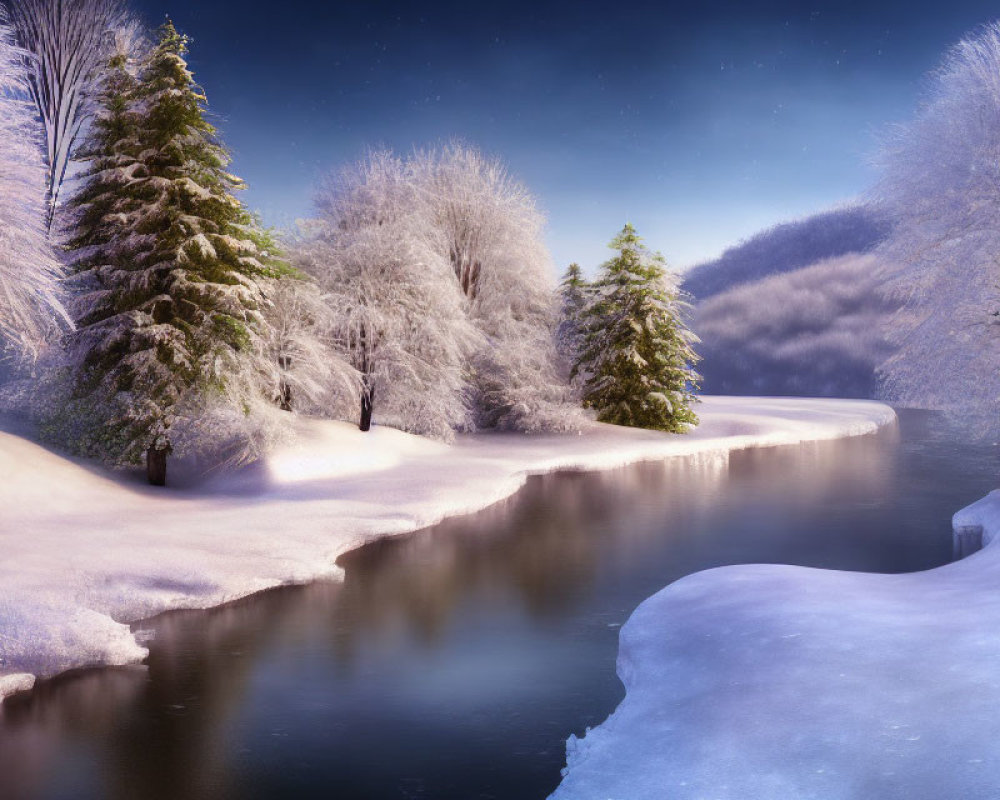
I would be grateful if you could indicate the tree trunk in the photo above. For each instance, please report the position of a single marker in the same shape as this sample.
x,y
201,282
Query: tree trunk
x,y
284,388
156,466
367,401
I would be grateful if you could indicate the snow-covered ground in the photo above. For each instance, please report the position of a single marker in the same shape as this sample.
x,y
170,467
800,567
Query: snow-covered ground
x,y
84,552
777,682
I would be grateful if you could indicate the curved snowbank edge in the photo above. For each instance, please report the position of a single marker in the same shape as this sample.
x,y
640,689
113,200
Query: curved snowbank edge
x,y
62,607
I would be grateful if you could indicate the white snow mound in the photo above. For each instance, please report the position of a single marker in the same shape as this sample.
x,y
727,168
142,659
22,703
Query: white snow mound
x,y
84,552
778,682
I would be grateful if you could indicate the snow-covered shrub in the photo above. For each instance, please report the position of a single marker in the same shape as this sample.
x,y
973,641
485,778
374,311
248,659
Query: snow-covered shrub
x,y
940,185
29,271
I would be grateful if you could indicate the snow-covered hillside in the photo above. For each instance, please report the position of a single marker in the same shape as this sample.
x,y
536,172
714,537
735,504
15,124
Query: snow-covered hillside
x,y
778,682
788,247
85,551
797,310
819,331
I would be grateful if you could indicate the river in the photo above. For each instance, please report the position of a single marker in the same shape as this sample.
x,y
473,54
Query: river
x,y
454,662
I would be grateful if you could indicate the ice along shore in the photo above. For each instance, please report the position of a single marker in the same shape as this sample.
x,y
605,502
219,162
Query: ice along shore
x,y
85,551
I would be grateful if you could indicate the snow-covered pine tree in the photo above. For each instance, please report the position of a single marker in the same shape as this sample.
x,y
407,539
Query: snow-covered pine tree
x,y
638,356
29,272
170,260
573,292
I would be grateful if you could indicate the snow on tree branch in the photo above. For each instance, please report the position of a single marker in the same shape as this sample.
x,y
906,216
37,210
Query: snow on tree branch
x,y
29,272
396,311
941,187
69,43
488,227
637,360
304,372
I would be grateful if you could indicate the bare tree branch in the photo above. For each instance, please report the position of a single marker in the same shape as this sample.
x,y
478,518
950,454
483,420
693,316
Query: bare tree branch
x,y
68,43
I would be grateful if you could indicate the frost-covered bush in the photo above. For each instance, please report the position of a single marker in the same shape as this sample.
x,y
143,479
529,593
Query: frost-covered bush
x,y
940,185
395,311
29,271
488,228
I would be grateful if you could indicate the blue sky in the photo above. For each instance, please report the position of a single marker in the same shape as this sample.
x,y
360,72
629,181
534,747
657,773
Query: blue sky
x,y
699,122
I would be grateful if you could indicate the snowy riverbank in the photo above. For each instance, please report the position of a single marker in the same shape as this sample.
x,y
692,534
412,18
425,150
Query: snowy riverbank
x,y
777,682
85,551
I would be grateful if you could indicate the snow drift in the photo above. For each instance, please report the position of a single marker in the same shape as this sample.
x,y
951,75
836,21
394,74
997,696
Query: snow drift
x,y
785,682
86,551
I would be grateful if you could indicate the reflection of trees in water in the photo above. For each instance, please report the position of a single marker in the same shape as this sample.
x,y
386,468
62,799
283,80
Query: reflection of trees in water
x,y
544,547
548,545
76,709
158,732
169,732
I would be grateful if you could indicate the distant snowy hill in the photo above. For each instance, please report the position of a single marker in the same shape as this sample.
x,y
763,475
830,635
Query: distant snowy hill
x,y
795,310
787,247
817,331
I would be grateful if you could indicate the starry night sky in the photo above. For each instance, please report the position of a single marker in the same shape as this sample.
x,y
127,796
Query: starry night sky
x,y
701,122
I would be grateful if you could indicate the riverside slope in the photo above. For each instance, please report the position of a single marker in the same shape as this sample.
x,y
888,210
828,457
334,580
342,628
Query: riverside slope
x,y
85,551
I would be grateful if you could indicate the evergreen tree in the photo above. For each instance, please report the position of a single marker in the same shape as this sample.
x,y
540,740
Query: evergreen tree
x,y
573,293
169,258
637,361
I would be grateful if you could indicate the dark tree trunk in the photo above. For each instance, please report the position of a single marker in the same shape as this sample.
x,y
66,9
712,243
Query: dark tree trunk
x,y
156,466
284,388
367,401
285,397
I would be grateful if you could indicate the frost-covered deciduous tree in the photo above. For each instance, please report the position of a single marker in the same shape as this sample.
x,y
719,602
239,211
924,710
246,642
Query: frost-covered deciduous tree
x,y
941,187
638,357
396,310
169,264
489,229
29,271
305,373
69,42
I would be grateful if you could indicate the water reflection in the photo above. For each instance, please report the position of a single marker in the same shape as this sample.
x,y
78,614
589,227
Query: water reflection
x,y
454,662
